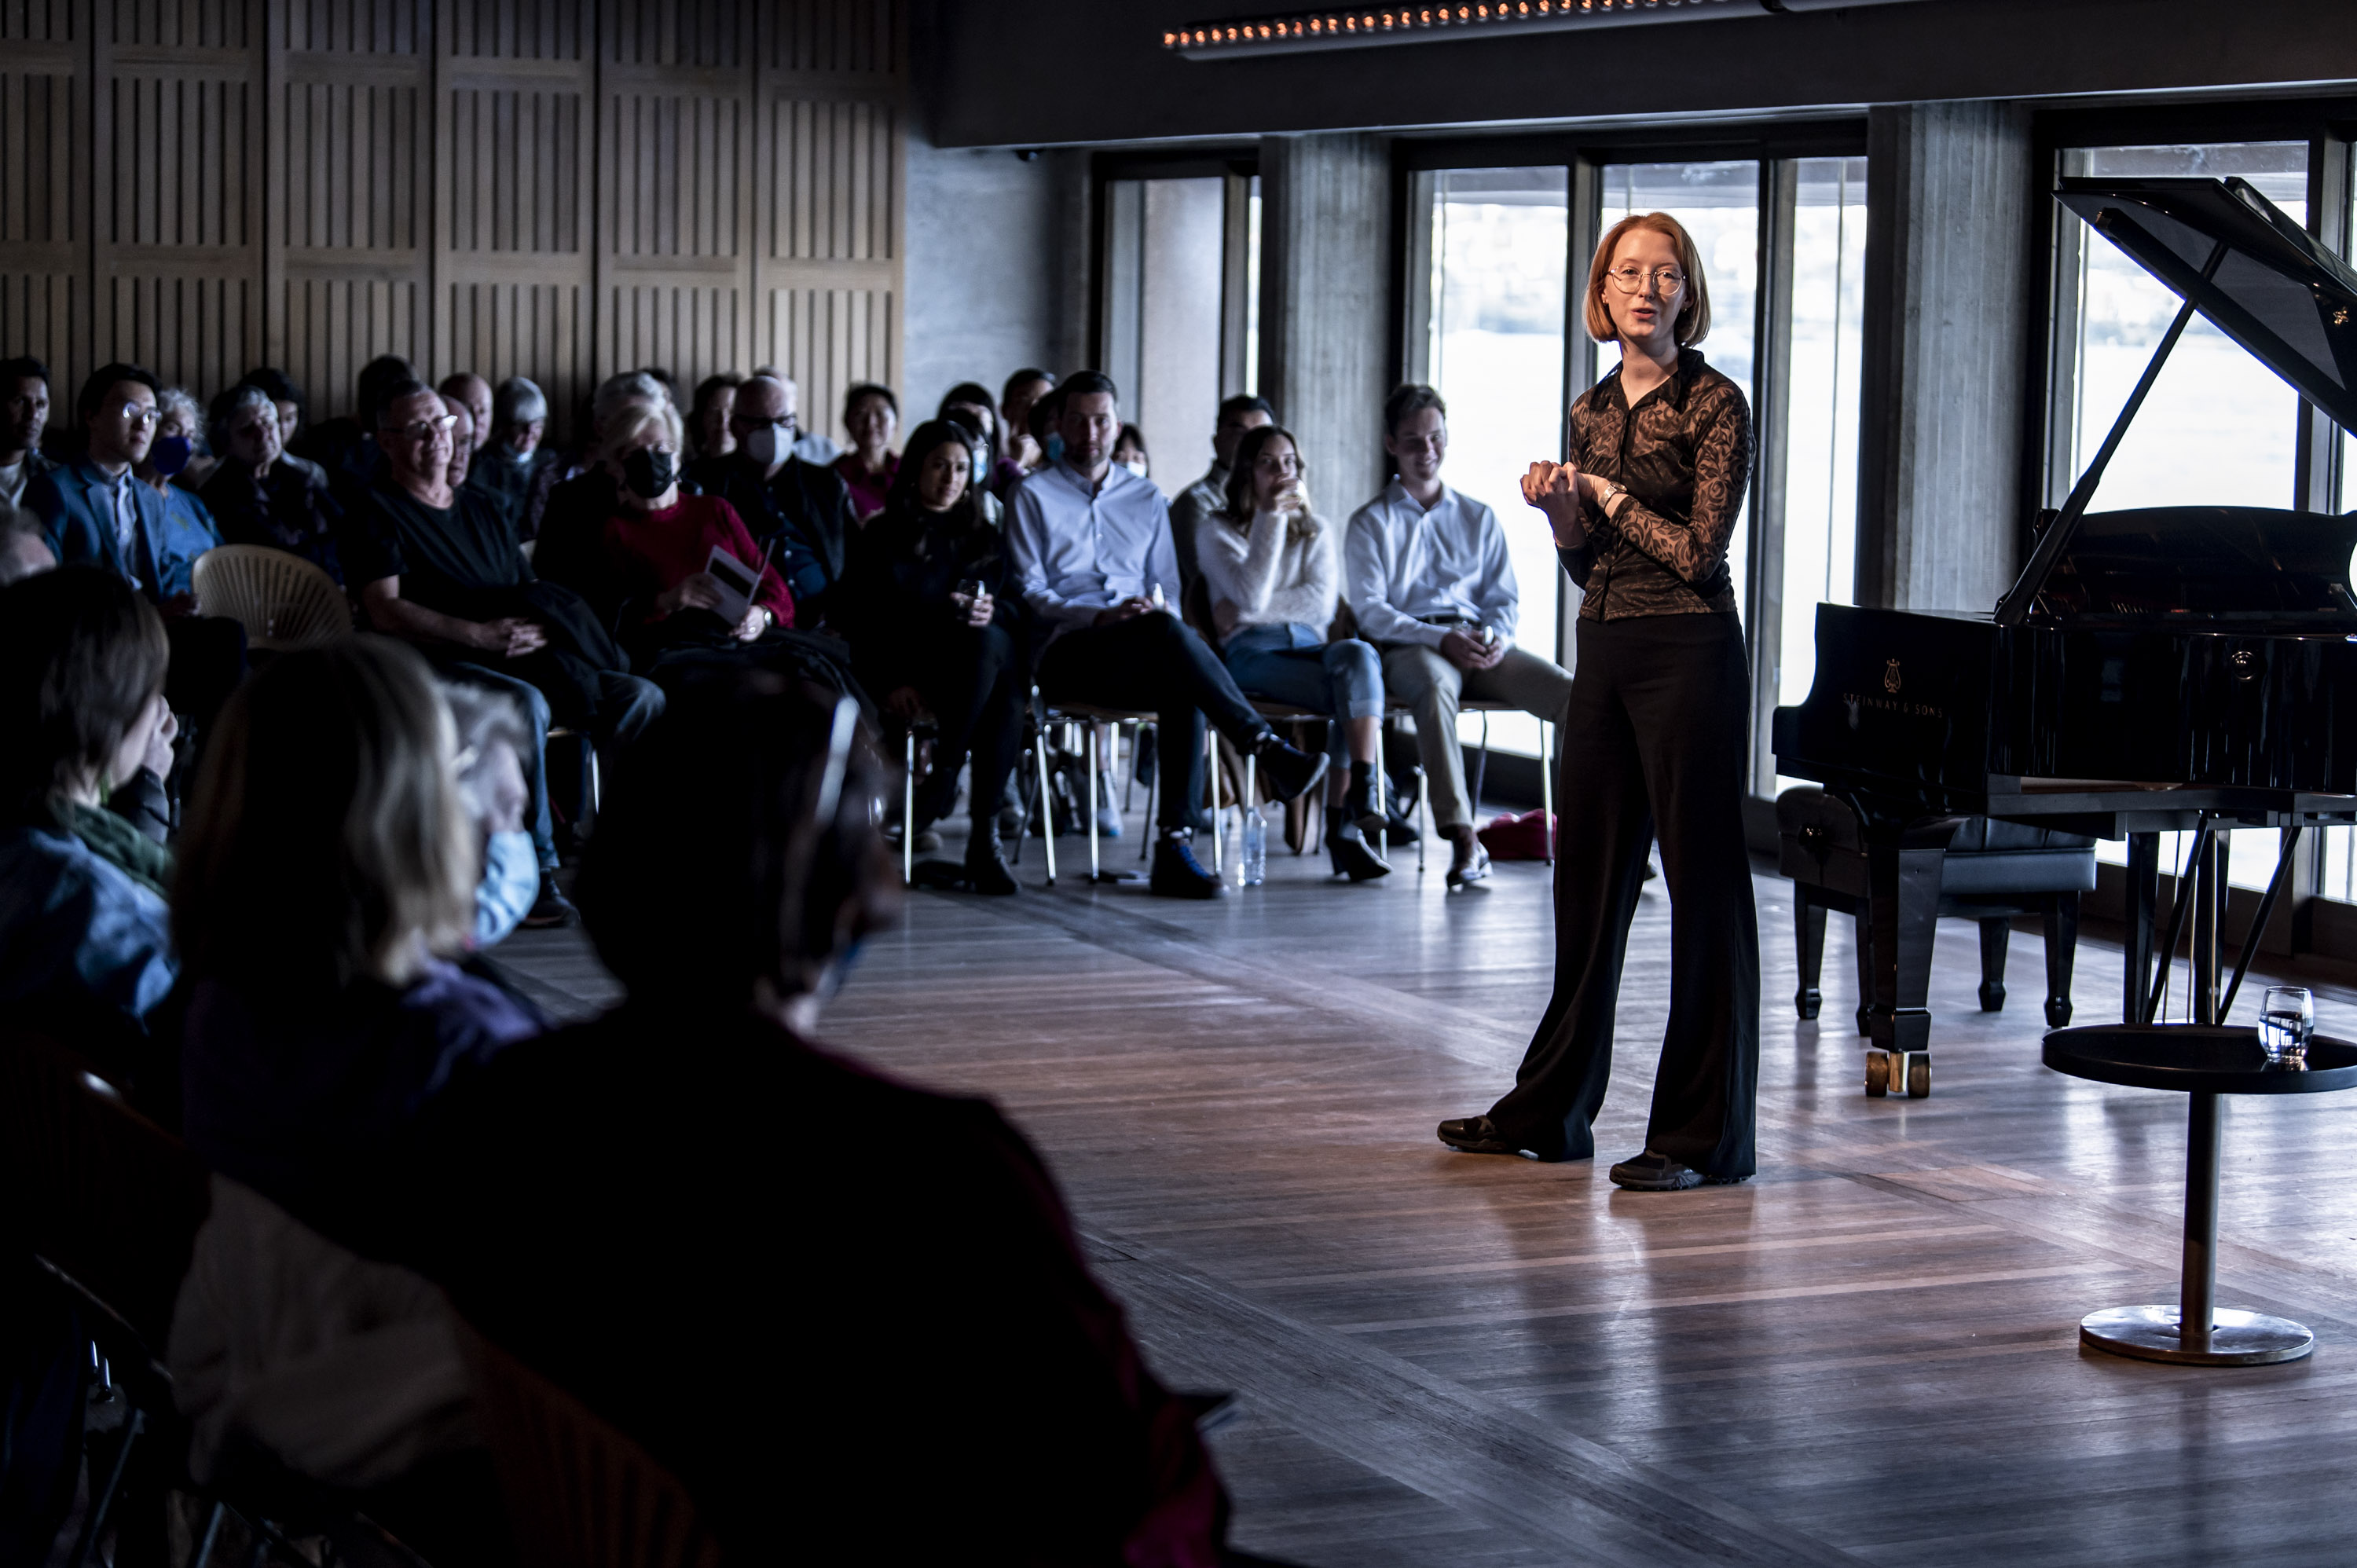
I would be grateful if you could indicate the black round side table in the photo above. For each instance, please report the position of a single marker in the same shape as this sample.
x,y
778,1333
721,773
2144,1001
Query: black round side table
x,y
2201,1061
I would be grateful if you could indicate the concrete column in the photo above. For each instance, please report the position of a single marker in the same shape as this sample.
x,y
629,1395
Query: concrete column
x,y
1950,307
1326,307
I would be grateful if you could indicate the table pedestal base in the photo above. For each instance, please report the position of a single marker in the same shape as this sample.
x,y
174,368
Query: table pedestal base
x,y
2236,1338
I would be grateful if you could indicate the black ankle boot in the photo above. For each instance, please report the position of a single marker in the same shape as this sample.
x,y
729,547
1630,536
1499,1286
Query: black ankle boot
x,y
1177,874
1352,856
985,865
1360,803
1286,770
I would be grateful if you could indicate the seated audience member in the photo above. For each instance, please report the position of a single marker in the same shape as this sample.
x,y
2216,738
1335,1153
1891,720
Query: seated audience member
x,y
798,511
442,569
585,1201
346,449
289,401
258,495
515,468
1089,543
572,522
707,421
85,939
492,740
871,414
1129,451
473,393
188,527
669,385
24,415
1021,453
462,440
98,512
326,882
924,639
970,405
24,546
1426,573
1273,571
1207,495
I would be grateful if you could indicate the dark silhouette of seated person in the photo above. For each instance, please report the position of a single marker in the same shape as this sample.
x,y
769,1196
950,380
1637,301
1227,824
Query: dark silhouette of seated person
x,y
615,1202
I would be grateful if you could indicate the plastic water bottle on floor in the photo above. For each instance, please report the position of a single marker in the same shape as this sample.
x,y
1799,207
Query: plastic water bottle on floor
x,y
1256,847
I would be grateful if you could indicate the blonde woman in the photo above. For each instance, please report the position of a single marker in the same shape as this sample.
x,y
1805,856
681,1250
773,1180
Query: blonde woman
x,y
1273,569
1653,738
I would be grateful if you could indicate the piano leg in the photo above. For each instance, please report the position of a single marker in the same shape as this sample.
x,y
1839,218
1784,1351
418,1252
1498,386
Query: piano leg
x,y
1995,934
1864,923
2061,952
2142,900
1809,926
1903,871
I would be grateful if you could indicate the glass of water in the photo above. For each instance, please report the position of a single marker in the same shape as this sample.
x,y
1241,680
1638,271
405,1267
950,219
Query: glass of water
x,y
2287,1018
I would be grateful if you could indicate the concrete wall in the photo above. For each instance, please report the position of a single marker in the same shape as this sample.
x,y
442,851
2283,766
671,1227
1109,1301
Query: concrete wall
x,y
1079,70
984,235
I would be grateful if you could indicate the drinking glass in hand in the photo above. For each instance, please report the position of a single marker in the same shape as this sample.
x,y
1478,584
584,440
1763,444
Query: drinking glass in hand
x,y
2286,1019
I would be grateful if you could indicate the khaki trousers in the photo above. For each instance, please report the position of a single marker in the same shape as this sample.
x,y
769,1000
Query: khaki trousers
x,y
1433,687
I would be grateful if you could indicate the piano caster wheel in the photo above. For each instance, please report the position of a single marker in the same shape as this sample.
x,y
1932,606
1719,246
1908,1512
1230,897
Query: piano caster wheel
x,y
2058,1012
1918,1078
1808,1002
1877,1075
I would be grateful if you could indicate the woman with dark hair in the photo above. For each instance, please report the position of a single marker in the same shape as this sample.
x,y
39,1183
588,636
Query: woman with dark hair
x,y
1273,570
259,495
968,403
871,414
934,630
591,1201
327,882
1654,736
707,417
85,939
1129,451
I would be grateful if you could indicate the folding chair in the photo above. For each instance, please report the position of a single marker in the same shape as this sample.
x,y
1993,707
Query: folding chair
x,y
926,724
578,1493
1089,715
283,601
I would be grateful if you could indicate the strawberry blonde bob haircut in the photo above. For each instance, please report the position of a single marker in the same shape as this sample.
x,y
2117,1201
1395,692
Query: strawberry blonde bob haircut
x,y
1693,324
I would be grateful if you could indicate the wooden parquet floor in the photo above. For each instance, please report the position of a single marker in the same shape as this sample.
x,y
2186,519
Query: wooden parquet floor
x,y
1867,1355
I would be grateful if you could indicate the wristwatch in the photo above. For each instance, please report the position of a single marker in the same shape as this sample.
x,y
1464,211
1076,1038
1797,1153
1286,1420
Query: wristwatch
x,y
1613,490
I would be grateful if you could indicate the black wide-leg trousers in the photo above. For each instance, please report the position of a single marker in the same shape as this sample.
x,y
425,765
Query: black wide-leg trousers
x,y
1654,741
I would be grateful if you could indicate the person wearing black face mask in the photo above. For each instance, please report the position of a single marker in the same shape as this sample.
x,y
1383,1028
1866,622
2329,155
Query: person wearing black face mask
x,y
800,514
655,582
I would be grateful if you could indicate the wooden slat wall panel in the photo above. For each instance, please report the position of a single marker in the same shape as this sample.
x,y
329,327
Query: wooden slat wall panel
x,y
44,187
833,156
558,189
176,253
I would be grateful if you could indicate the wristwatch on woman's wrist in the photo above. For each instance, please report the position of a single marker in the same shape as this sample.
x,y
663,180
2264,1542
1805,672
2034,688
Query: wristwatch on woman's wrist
x,y
1613,490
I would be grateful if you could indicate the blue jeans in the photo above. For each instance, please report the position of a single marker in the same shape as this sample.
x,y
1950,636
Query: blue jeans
x,y
627,705
1297,666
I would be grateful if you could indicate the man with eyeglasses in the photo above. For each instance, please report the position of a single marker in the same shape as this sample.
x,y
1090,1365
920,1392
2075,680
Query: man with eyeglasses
x,y
441,567
797,511
96,513
1426,570
24,415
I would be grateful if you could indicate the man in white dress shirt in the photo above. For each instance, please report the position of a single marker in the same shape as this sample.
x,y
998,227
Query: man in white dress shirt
x,y
1426,573
1090,542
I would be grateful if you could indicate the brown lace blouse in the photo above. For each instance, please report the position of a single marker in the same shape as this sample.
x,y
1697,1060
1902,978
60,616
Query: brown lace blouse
x,y
1684,453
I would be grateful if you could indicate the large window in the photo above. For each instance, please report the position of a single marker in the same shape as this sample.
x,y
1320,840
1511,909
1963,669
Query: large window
x,y
1495,350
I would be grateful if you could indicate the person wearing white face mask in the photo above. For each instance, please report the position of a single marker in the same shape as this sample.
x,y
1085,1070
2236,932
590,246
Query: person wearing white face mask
x,y
1129,451
800,513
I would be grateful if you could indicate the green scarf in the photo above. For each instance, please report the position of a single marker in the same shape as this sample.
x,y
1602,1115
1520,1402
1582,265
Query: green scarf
x,y
114,840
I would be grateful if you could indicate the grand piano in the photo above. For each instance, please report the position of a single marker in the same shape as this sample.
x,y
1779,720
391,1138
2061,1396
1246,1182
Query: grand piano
x,y
2175,669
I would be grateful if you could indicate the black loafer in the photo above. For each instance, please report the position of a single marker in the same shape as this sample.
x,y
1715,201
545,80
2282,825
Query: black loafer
x,y
985,867
1650,1172
1477,1135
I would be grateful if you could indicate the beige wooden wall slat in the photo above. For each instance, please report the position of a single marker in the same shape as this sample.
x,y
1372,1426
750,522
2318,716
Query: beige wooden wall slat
x,y
558,189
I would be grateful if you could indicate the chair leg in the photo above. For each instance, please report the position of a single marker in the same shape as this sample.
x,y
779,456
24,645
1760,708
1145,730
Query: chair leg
x,y
1383,795
1480,767
1546,790
1865,945
204,1556
2061,953
1047,804
1423,815
103,1503
1153,794
1809,926
909,807
1212,766
1995,935
1092,749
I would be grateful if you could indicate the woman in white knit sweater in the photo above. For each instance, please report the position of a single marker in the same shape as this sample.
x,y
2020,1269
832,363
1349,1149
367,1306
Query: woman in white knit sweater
x,y
1273,569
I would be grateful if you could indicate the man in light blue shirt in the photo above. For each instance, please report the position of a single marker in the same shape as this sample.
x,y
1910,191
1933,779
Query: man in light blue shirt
x,y
1426,573
1091,546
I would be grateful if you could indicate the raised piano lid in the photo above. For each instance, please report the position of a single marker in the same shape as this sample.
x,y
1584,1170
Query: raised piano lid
x,y
2268,570
2275,291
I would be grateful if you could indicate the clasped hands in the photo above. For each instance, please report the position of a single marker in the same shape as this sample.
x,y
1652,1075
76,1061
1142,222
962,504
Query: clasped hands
x,y
1559,489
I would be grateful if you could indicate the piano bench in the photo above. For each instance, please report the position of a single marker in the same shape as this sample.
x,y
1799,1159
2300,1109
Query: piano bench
x,y
1989,872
